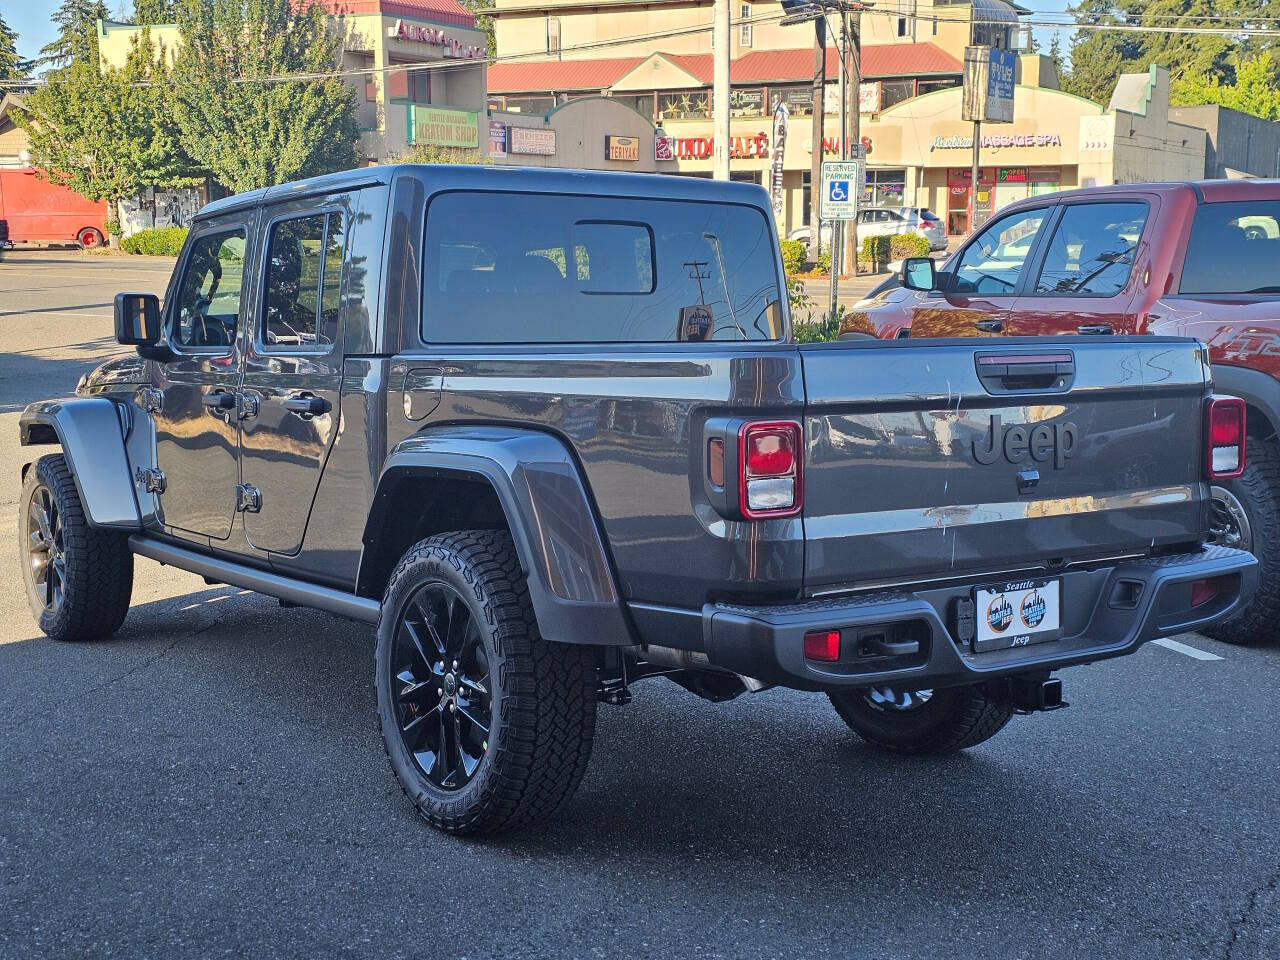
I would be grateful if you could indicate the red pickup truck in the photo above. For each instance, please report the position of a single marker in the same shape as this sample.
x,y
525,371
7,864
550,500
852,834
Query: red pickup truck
x,y
1186,259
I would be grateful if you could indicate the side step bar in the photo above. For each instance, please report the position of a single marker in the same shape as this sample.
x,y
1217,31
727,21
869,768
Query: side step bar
x,y
360,609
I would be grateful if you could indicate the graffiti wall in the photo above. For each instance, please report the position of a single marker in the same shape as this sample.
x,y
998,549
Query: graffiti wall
x,y
159,208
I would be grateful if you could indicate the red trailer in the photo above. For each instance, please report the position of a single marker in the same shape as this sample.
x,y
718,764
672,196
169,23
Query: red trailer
x,y
33,210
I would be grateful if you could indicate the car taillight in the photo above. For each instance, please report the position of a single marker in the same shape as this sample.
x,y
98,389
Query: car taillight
x,y
822,645
1225,435
770,476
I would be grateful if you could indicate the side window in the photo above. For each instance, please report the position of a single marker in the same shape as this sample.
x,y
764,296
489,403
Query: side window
x,y
992,264
1233,248
211,291
303,281
571,269
1093,248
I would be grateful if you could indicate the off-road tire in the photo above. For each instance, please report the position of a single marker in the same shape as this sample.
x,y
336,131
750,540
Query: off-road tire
x,y
543,709
953,719
97,563
1258,490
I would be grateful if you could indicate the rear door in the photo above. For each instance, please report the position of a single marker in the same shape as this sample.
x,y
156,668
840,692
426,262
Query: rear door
x,y
293,368
984,279
927,459
1090,270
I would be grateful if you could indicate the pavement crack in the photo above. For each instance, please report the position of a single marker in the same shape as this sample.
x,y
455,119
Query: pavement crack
x,y
1247,915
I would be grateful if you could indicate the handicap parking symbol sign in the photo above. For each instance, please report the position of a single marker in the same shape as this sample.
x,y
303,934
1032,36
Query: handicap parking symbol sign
x,y
838,191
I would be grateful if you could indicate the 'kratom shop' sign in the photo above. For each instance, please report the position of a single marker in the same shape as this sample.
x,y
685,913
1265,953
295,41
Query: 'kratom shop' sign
x,y
443,128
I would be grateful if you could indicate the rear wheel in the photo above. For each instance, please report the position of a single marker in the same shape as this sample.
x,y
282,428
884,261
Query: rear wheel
x,y
1245,513
90,238
79,578
487,725
922,721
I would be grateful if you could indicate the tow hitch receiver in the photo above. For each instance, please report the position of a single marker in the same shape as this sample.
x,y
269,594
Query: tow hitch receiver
x,y
1033,694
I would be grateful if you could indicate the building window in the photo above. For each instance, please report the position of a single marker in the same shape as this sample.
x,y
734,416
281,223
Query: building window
x,y
799,100
420,86
553,35
530,104
895,91
682,105
744,29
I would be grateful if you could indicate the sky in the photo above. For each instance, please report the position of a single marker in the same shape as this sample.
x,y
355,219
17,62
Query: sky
x,y
31,19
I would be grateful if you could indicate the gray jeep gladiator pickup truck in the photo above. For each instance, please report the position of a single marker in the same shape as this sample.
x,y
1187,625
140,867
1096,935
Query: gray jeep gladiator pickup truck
x,y
550,432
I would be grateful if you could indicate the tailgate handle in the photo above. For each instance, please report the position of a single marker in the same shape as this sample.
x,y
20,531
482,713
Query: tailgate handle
x,y
1020,372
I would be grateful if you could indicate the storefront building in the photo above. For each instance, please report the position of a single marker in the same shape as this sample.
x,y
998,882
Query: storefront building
x,y
598,133
397,106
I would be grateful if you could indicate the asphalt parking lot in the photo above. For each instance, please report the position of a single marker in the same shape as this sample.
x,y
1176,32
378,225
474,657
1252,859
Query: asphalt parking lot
x,y
211,783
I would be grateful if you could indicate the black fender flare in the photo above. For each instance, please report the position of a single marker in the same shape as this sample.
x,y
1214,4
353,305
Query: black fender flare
x,y
538,484
92,435
1258,390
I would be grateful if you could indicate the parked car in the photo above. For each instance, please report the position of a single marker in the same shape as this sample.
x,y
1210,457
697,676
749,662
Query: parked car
x,y
886,221
549,460
1190,259
33,210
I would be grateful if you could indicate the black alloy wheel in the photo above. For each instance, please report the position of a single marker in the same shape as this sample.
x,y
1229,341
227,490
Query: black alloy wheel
x,y
46,556
441,686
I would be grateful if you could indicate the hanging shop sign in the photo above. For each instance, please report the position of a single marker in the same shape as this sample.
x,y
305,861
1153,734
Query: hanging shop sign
x,y
775,161
437,37
621,148
442,127
664,147
531,141
1012,175
988,85
497,139
869,97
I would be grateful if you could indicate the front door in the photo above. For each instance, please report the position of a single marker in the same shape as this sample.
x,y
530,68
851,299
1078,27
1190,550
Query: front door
x,y
196,426
293,370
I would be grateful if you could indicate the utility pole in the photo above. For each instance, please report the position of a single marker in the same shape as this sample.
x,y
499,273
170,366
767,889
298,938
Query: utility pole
x,y
720,88
815,171
851,128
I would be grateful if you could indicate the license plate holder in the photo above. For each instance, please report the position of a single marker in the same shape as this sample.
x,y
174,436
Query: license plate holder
x,y
1017,613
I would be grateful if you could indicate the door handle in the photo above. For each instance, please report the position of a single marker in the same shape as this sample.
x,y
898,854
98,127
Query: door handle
x,y
1095,330
306,405
218,401
990,326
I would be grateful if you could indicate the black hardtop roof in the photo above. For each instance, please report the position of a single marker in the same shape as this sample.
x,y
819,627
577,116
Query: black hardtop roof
x,y
439,177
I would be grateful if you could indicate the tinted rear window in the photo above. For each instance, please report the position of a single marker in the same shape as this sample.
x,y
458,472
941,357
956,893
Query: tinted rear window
x,y
539,268
1233,248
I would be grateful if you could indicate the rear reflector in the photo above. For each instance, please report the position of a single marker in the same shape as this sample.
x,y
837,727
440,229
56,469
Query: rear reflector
x,y
1225,432
770,469
822,645
1202,591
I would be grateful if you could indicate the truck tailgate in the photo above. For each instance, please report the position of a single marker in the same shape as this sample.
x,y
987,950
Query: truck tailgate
x,y
926,458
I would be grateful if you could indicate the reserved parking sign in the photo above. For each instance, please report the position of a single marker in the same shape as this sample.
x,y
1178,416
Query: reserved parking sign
x,y
841,185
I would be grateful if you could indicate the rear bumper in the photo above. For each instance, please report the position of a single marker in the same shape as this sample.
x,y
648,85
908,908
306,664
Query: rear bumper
x,y
1108,611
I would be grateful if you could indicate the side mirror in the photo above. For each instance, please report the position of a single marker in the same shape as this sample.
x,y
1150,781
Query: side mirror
x,y
919,273
137,319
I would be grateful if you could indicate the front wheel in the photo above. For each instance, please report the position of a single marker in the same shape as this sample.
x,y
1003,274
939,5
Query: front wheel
x,y
79,578
487,725
922,721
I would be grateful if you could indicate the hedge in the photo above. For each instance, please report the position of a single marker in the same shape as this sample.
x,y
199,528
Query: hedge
x,y
794,256
874,250
905,245
156,241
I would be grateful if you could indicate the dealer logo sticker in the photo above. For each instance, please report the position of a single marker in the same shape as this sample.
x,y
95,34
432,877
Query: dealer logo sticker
x,y
1032,609
1000,614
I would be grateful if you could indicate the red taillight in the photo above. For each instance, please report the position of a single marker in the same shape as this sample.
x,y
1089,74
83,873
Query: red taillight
x,y
822,645
1202,591
769,480
1225,435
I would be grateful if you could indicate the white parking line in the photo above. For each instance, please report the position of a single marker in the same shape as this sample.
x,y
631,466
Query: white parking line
x,y
1187,650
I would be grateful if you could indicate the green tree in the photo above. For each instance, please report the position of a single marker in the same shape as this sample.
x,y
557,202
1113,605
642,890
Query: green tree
x,y
482,22
77,22
107,134
151,13
1253,90
236,117
1187,54
1099,56
12,66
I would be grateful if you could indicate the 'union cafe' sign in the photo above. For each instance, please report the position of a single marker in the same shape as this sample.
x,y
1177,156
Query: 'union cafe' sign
x,y
740,148
441,127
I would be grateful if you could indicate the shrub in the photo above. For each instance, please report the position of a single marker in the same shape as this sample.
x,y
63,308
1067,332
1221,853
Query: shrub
x,y
156,241
908,245
874,250
824,261
794,256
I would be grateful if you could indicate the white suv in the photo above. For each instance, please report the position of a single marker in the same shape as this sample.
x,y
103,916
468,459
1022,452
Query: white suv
x,y
886,221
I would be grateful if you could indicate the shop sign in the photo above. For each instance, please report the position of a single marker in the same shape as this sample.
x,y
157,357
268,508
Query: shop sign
x,y
869,97
997,140
422,33
531,140
621,148
988,85
740,148
746,103
775,161
798,101
444,128
664,147
497,139
1013,175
